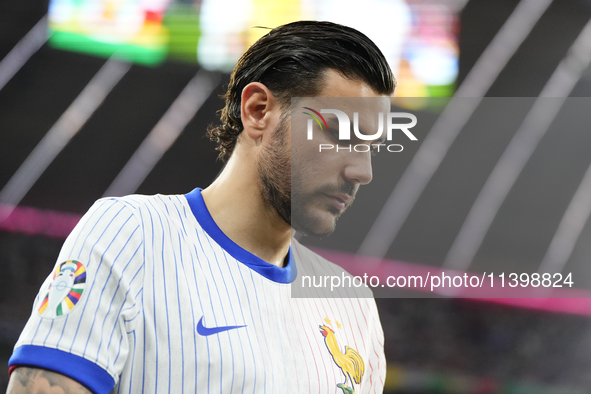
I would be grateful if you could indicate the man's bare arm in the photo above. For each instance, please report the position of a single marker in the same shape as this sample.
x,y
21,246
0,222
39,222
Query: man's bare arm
x,y
25,380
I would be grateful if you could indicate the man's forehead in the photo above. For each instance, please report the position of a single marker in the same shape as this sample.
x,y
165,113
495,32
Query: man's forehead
x,y
363,106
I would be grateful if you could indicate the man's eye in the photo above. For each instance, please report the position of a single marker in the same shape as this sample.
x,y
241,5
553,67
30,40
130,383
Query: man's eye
x,y
334,133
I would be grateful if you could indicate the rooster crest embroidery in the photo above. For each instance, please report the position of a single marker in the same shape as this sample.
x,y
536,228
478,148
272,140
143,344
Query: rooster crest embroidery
x,y
350,362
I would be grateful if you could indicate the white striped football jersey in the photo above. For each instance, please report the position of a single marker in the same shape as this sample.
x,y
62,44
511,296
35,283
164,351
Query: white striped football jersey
x,y
149,296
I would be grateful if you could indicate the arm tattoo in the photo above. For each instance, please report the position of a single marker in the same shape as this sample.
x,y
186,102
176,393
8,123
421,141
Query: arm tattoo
x,y
24,380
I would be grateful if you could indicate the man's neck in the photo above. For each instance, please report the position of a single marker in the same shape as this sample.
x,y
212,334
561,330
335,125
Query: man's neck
x,y
236,204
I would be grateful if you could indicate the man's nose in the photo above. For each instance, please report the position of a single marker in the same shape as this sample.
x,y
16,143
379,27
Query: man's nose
x,y
358,168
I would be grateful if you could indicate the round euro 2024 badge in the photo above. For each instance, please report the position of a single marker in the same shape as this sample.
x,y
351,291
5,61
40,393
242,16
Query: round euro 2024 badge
x,y
65,289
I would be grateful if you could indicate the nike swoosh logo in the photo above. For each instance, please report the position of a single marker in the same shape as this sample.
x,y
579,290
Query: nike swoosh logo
x,y
202,330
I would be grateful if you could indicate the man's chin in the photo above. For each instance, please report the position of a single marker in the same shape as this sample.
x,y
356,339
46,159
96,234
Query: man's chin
x,y
320,225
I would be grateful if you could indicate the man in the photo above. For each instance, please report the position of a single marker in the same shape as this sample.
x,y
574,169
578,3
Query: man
x,y
171,294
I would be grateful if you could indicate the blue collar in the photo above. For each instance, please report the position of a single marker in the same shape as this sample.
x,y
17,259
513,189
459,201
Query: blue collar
x,y
285,274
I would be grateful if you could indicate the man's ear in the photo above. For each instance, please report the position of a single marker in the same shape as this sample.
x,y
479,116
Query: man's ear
x,y
255,110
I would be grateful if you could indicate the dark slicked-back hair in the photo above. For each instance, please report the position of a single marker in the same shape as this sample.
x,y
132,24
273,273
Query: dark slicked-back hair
x,y
290,61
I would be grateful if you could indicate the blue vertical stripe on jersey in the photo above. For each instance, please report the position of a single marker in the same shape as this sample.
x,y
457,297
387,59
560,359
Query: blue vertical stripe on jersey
x,y
256,295
154,305
36,330
178,200
257,338
192,312
168,224
274,319
133,363
283,301
177,213
308,341
200,306
179,307
165,300
190,303
118,349
295,301
142,221
62,333
188,287
214,319
226,320
48,332
241,347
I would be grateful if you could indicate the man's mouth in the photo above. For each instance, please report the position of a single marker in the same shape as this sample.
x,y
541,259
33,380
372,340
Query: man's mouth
x,y
339,201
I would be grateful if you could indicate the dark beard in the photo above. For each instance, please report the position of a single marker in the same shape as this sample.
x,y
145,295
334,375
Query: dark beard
x,y
276,178
274,168
306,223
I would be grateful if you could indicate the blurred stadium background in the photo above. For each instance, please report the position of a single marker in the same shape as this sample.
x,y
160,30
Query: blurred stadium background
x,y
110,97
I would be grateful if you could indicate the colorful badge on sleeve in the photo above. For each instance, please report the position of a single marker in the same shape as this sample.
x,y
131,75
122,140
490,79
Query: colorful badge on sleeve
x,y
65,289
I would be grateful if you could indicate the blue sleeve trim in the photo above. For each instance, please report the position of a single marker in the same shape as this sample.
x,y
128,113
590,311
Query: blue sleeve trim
x,y
285,274
78,368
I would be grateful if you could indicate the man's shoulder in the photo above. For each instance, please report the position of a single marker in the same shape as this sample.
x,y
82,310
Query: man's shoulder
x,y
148,211
156,202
